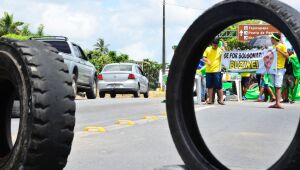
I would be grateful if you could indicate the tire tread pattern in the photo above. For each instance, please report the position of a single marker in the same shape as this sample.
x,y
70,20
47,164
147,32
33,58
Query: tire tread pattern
x,y
53,107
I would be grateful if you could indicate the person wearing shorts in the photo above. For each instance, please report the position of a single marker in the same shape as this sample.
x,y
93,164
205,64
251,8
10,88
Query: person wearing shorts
x,y
282,56
212,57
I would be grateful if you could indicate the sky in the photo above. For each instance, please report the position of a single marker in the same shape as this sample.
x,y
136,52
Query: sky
x,y
132,27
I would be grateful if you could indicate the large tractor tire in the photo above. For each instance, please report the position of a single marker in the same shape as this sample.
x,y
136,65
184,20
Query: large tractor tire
x,y
34,73
180,106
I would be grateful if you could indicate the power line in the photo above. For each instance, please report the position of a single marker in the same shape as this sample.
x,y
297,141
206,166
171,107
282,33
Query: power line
x,y
181,6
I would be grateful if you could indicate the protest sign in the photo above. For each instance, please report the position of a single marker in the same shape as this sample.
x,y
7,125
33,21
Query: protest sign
x,y
260,61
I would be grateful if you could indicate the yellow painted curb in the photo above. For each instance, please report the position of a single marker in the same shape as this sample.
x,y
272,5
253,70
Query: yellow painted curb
x,y
151,117
125,122
164,113
94,129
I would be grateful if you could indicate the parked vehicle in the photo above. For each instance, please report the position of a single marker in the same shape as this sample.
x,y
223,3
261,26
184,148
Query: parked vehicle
x,y
83,72
123,78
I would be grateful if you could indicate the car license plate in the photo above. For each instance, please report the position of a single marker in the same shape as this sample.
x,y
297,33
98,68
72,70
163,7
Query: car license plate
x,y
115,86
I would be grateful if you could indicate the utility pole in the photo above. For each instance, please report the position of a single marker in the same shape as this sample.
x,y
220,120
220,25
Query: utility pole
x,y
164,40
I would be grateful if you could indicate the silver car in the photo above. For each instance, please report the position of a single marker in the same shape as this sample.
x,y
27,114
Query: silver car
x,y
123,78
82,72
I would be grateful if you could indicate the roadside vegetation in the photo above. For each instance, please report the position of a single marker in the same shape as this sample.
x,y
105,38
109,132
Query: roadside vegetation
x,y
100,55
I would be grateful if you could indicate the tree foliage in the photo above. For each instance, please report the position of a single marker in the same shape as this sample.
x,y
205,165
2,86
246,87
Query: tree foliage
x,y
15,36
101,46
25,30
8,25
100,60
233,43
100,56
40,31
151,70
16,29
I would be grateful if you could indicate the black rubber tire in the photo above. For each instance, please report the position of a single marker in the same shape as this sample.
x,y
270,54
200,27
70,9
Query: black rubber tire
x,y
146,95
101,94
180,107
137,93
113,95
38,75
92,93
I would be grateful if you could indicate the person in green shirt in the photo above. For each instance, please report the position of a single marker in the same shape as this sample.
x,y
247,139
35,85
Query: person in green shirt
x,y
288,79
293,59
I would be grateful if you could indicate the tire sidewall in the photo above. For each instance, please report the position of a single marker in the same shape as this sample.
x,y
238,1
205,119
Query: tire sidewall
x,y
24,85
180,108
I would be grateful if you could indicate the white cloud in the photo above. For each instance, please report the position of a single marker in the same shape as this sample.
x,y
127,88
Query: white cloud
x,y
129,26
138,51
61,20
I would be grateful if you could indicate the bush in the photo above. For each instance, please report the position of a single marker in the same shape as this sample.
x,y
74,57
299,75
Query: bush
x,y
15,36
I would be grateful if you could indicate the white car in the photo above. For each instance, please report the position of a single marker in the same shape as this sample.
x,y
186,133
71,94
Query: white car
x,y
123,78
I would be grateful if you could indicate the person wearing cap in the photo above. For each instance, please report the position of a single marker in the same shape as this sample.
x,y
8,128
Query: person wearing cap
x,y
282,56
212,58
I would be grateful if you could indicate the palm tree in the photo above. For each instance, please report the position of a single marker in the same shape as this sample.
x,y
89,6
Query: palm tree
x,y
25,30
101,46
7,25
40,31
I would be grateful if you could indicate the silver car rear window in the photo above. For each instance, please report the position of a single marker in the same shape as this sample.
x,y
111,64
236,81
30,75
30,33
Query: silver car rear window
x,y
117,68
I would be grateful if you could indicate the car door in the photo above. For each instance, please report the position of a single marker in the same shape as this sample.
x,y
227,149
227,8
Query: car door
x,y
89,67
83,69
144,79
141,79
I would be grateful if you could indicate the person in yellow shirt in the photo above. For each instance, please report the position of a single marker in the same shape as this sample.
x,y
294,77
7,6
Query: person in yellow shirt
x,y
212,58
282,56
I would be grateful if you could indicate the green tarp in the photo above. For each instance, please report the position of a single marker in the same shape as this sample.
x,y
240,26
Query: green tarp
x,y
227,85
252,94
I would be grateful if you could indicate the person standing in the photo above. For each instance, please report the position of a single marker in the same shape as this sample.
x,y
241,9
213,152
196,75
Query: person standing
x,y
201,71
282,56
212,58
293,59
288,80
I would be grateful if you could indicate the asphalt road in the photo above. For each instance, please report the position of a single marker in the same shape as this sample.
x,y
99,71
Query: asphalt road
x,y
145,145
243,136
